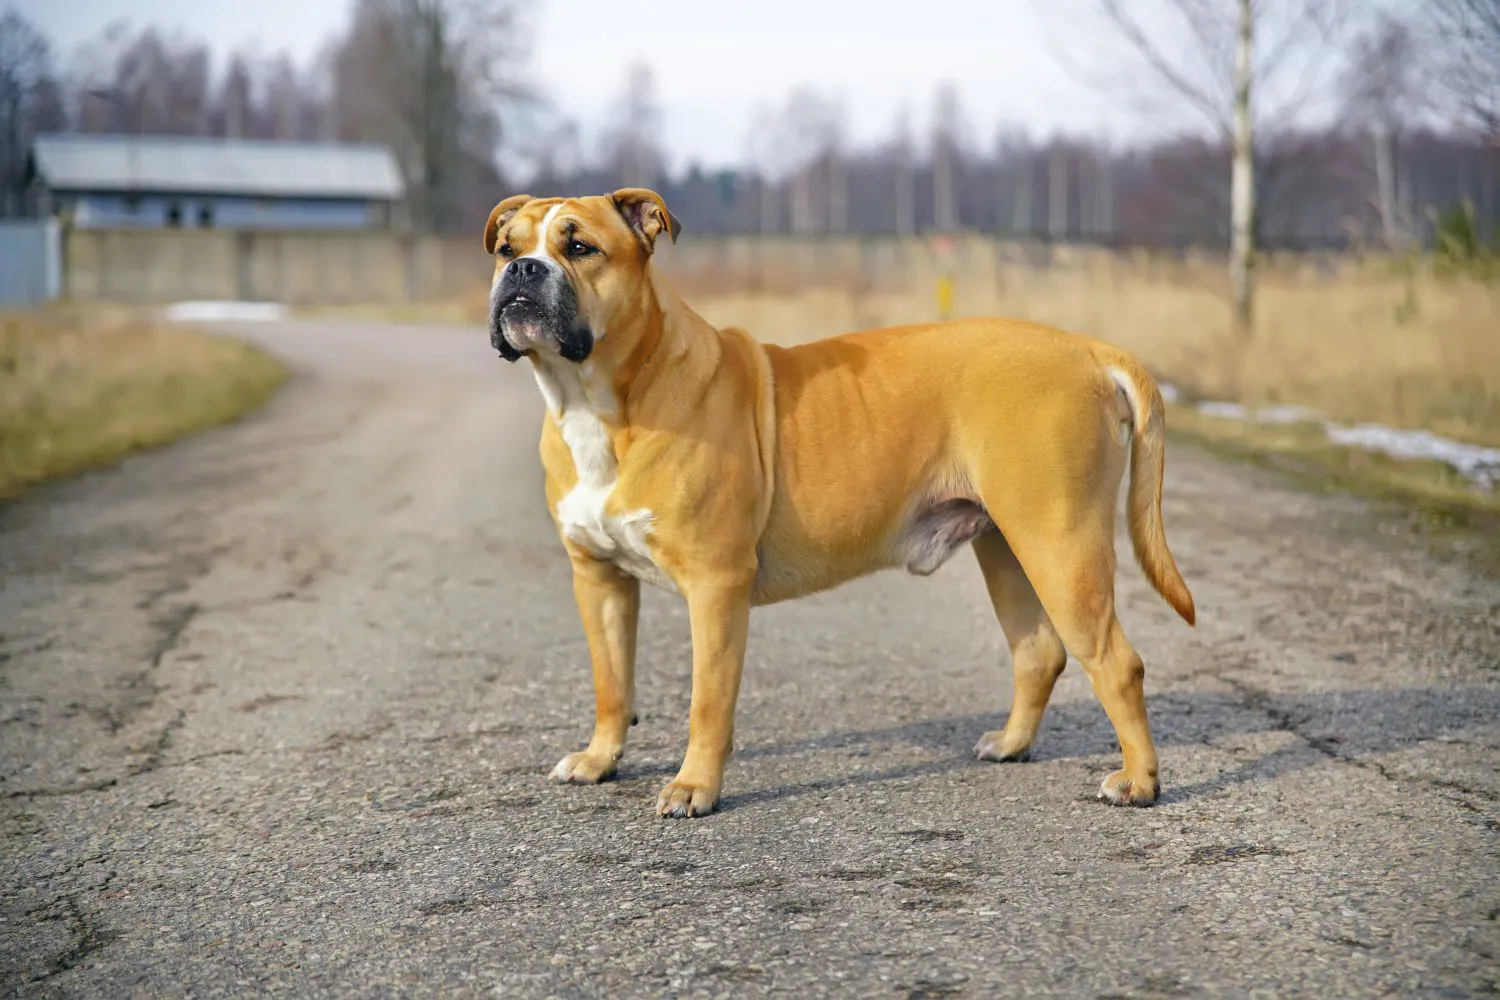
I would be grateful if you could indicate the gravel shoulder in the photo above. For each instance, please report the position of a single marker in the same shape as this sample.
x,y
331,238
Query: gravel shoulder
x,y
277,705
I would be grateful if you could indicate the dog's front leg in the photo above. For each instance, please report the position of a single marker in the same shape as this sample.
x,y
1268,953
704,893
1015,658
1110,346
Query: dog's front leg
x,y
719,616
609,603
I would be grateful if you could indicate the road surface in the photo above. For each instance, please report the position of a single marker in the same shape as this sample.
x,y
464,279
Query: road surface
x,y
279,703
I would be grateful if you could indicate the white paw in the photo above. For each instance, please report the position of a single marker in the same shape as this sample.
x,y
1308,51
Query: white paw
x,y
584,768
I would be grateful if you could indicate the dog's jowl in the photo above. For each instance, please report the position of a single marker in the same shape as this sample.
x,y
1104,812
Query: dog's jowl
x,y
737,474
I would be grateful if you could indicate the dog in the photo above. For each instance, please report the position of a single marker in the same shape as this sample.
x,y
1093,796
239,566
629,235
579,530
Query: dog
x,y
739,474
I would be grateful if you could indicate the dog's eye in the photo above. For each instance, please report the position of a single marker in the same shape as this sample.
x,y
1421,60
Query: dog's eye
x,y
577,248
506,250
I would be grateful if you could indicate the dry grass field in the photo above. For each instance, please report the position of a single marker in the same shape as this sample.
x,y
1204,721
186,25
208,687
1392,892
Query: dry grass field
x,y
83,388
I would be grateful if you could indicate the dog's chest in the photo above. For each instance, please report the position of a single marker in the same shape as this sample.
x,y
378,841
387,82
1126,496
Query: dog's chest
x,y
586,515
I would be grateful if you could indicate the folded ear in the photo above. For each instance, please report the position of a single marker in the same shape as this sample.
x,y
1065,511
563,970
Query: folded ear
x,y
499,216
646,213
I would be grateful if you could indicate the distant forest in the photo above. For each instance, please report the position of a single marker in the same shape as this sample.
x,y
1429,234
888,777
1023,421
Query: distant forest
x,y
419,75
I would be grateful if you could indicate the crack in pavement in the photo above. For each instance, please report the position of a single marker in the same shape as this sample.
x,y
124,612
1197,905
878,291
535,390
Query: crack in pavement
x,y
89,936
104,784
1260,700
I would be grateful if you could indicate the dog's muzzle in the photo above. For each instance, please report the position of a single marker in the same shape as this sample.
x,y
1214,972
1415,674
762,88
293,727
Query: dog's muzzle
x,y
533,308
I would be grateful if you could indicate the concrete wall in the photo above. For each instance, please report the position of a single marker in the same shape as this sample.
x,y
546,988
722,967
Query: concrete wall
x,y
295,268
384,267
30,262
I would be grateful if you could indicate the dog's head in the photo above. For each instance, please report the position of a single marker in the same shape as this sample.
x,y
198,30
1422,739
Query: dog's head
x,y
568,271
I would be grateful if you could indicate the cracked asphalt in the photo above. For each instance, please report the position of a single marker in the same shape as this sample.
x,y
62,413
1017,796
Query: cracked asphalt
x,y
277,705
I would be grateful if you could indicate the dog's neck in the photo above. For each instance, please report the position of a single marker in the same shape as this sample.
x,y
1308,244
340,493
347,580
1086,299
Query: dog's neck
x,y
634,380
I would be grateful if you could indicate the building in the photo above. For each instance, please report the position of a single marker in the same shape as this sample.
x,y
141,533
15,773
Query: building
x,y
93,181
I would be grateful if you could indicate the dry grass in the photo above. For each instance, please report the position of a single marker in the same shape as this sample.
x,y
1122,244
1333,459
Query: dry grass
x,y
81,389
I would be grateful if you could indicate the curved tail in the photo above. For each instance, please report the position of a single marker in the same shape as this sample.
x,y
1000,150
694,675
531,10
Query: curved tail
x,y
1147,465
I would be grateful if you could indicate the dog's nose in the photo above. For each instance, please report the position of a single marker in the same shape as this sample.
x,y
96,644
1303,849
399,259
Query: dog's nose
x,y
525,267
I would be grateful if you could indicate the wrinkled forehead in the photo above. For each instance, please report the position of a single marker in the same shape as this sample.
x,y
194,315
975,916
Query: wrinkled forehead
x,y
595,216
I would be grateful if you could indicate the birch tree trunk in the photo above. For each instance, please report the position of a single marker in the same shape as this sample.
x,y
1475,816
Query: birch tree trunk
x,y
1057,195
906,217
1385,183
1242,184
1021,208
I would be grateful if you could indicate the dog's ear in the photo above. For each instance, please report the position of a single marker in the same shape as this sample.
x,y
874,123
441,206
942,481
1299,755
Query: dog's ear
x,y
499,216
646,213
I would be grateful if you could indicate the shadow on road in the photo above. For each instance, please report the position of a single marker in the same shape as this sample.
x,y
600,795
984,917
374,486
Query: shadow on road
x,y
1340,725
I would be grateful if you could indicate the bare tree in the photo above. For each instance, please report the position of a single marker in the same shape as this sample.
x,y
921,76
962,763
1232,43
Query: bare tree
x,y
765,157
25,79
1385,81
1015,159
1242,175
236,98
904,176
430,78
809,132
1465,38
835,169
1057,193
284,99
633,147
947,157
1241,69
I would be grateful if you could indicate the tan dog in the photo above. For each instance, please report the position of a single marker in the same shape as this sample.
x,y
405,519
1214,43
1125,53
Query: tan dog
x,y
741,474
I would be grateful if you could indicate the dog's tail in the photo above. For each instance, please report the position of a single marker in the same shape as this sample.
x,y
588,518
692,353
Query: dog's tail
x,y
1147,465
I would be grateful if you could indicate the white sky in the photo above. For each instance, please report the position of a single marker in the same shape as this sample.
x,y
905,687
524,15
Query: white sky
x,y
715,62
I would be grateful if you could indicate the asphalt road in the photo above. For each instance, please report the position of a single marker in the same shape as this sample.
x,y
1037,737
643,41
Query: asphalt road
x,y
277,706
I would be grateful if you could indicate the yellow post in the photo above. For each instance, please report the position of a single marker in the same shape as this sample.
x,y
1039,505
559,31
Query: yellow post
x,y
945,296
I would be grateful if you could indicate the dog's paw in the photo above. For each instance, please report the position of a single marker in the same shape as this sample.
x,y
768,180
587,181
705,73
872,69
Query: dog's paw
x,y
993,746
682,800
584,768
1119,790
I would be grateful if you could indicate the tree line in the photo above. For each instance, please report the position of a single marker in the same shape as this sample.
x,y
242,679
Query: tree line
x,y
1413,128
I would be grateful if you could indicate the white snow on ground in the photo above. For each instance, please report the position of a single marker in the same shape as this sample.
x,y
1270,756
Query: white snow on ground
x,y
1224,411
1479,465
210,311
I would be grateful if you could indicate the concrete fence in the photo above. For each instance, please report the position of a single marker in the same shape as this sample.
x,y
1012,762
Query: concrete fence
x,y
295,268
382,267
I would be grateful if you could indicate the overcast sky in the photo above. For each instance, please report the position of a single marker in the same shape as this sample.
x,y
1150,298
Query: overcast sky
x,y
715,62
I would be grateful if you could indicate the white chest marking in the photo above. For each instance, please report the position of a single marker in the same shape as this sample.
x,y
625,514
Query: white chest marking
x,y
618,537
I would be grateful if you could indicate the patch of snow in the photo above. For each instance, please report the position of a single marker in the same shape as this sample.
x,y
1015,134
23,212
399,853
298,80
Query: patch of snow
x,y
1477,464
1224,411
1285,415
219,311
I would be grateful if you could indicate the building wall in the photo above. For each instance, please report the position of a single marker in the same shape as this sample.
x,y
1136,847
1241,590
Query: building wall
x,y
118,211
30,261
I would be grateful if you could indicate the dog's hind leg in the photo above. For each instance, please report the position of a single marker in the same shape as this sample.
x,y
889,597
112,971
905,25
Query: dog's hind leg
x,y
1073,573
1037,654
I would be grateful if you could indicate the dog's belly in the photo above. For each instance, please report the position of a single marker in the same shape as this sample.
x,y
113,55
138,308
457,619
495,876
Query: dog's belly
x,y
620,539
924,540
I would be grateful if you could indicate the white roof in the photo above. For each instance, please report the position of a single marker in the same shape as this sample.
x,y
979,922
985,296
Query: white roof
x,y
199,165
